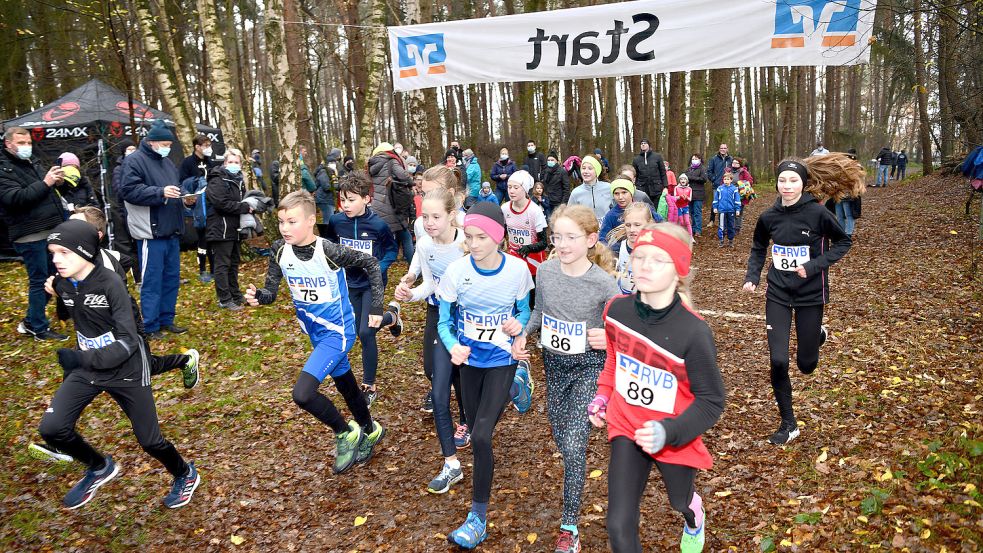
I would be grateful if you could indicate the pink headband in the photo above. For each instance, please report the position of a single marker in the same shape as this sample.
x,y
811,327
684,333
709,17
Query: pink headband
x,y
490,226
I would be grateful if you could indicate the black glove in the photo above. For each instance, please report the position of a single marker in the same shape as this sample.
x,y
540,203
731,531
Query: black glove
x,y
524,251
69,359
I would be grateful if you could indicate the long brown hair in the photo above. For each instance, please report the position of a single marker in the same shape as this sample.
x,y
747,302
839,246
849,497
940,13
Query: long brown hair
x,y
834,175
584,217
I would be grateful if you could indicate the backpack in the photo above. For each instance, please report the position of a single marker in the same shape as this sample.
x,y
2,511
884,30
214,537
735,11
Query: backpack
x,y
401,198
199,212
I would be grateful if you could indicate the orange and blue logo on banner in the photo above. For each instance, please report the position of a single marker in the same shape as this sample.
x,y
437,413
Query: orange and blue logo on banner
x,y
797,20
421,55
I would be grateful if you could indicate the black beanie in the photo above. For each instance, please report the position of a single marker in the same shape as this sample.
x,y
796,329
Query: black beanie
x,y
554,155
78,236
160,132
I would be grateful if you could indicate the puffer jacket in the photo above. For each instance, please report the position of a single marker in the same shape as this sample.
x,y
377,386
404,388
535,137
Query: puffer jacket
x,y
224,204
382,168
30,205
149,214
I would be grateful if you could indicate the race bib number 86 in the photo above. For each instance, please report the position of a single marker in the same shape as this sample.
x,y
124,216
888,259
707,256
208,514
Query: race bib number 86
x,y
644,385
789,258
564,336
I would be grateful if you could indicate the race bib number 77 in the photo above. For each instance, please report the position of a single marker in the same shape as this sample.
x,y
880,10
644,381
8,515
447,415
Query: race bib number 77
x,y
486,328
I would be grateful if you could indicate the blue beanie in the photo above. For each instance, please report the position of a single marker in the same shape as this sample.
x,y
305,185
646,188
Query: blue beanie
x,y
158,131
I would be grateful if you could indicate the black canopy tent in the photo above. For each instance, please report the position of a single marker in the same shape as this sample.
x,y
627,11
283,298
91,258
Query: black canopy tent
x,y
93,122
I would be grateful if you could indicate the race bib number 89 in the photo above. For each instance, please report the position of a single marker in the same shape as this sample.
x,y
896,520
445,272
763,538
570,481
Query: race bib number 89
x,y
564,336
486,328
789,258
644,385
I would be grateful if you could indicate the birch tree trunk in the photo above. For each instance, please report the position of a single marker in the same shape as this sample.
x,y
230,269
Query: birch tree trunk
x,y
164,59
221,89
282,107
376,68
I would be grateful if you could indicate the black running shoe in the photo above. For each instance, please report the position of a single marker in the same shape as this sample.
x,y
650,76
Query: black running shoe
x,y
174,329
427,404
397,327
50,335
786,432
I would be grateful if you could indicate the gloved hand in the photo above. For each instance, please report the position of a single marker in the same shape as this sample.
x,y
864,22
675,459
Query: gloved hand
x,y
651,437
524,251
69,359
597,410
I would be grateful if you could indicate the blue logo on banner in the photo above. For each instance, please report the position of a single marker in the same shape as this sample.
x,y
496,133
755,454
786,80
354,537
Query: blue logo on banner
x,y
796,20
421,55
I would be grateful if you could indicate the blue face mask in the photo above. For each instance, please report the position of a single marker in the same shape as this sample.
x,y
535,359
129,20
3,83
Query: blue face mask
x,y
24,152
163,151
233,168
551,163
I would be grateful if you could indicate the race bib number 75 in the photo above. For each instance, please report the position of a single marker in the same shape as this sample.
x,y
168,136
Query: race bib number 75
x,y
789,258
644,385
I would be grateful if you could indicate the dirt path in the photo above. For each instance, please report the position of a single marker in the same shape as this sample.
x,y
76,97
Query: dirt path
x,y
890,454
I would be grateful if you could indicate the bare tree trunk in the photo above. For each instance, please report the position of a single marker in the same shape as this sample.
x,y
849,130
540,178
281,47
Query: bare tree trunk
x,y
675,148
297,60
697,109
376,68
282,106
721,122
922,93
221,90
164,59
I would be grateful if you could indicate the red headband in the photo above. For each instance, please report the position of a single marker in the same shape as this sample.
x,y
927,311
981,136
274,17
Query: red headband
x,y
677,249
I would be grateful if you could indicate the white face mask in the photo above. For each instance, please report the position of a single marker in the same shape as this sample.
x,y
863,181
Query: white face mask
x,y
332,165
233,168
531,150
24,152
411,168
503,157
207,151
163,151
398,150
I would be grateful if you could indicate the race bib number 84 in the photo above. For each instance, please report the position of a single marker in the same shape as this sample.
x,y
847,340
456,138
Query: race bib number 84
x,y
789,258
644,385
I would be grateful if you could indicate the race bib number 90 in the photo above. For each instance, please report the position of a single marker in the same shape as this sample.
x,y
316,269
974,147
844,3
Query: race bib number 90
x,y
364,246
789,258
520,237
310,289
564,336
644,385
486,328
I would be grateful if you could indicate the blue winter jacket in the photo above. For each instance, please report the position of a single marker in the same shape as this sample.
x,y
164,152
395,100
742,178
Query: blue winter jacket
x,y
148,213
473,173
368,230
972,166
727,199
716,168
500,168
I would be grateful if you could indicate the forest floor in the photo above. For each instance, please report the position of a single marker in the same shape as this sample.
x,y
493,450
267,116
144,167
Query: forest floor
x,y
890,456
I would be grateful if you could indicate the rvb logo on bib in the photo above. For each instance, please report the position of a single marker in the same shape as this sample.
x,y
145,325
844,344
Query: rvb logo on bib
x,y
421,55
364,246
826,23
789,258
644,385
86,344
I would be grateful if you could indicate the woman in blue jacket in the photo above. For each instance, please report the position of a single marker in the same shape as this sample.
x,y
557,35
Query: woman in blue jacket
x,y
500,173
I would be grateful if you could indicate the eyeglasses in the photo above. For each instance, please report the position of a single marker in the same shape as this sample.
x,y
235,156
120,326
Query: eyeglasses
x,y
645,261
559,238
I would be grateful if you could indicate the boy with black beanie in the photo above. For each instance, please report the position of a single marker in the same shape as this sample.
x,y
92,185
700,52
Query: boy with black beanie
x,y
112,358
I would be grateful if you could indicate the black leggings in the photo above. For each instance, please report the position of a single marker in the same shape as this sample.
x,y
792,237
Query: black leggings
x,y
443,375
778,318
307,396
160,364
486,394
628,473
75,394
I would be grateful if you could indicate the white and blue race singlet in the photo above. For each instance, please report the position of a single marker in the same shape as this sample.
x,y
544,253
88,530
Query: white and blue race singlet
x,y
320,294
625,281
437,257
485,301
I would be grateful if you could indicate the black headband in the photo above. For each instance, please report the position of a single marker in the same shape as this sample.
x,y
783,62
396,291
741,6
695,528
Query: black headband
x,y
793,166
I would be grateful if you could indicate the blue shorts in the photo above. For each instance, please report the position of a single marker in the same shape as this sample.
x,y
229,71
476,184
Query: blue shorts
x,y
329,358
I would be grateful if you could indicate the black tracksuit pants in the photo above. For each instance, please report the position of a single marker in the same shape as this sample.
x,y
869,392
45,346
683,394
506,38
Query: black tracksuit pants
x,y
226,270
75,394
808,321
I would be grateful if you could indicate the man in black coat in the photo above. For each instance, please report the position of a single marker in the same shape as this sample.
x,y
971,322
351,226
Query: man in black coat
x,y
536,161
32,209
650,171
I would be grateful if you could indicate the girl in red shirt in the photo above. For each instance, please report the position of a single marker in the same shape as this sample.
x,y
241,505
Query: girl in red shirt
x,y
660,389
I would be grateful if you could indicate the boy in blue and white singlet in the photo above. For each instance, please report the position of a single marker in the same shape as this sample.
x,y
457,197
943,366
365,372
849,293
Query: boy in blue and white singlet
x,y
358,228
314,269
484,303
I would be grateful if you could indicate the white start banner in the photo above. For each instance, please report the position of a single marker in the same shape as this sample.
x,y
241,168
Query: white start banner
x,y
631,38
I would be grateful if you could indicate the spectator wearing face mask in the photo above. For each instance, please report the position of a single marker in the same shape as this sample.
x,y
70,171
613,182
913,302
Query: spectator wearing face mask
x,y
224,193
500,173
193,178
150,192
535,161
200,161
472,171
698,177
556,183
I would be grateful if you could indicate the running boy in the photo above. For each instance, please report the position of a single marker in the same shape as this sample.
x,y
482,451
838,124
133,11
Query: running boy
x,y
112,358
358,228
623,190
315,271
727,202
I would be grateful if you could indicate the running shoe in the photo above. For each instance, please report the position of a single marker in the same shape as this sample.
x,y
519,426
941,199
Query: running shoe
x,y
567,542
183,488
786,432
346,448
85,490
369,442
22,328
462,438
205,278
397,327
427,403
369,394
823,335
48,335
469,534
692,540
190,370
47,453
448,476
524,388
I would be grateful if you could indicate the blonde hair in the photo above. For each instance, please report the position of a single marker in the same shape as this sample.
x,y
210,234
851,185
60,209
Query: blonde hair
x,y
834,175
446,178
298,198
619,232
584,217
678,232
94,216
447,199
233,152
628,171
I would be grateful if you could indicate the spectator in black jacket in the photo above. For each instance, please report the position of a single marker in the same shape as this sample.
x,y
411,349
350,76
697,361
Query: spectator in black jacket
x,y
275,181
223,196
556,182
122,241
650,171
536,161
200,162
326,177
901,162
75,188
32,209
698,178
